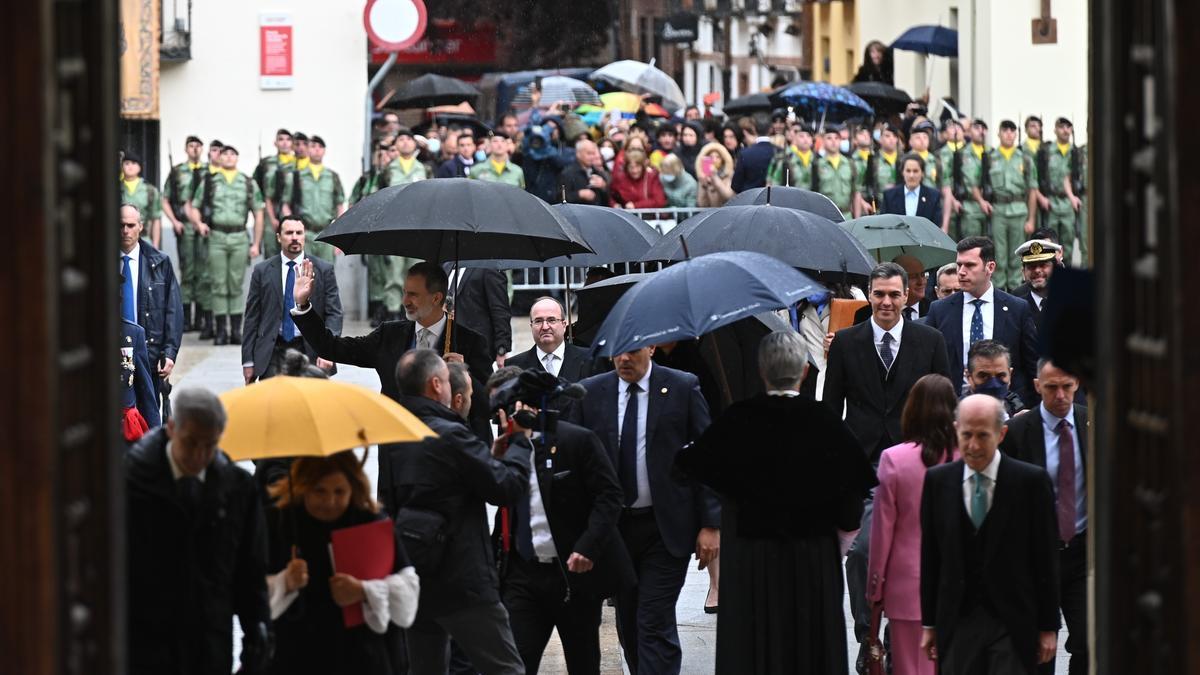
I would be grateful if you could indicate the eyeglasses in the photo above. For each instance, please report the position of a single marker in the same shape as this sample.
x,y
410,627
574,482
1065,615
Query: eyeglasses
x,y
549,321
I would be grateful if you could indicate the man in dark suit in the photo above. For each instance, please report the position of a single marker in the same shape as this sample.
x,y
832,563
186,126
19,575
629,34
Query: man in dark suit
x,y
917,305
912,198
981,311
870,369
563,556
478,299
425,325
155,305
1054,437
550,351
585,181
989,559
1038,257
269,328
459,166
750,171
644,414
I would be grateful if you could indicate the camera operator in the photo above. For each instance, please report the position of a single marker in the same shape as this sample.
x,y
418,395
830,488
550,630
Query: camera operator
x,y
562,554
436,497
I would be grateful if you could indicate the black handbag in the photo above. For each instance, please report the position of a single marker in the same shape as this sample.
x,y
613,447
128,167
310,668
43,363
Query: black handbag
x,y
423,534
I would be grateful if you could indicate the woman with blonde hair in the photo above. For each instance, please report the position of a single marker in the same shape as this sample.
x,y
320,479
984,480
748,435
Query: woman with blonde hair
x,y
307,593
714,170
678,185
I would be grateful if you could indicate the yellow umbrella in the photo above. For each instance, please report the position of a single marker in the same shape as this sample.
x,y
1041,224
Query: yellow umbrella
x,y
622,101
303,416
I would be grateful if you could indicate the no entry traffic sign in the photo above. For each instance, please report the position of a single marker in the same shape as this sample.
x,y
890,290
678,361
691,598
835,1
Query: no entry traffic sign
x,y
393,25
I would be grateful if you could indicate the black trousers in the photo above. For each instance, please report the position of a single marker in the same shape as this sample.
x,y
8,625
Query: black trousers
x,y
646,613
1073,599
278,354
981,646
538,601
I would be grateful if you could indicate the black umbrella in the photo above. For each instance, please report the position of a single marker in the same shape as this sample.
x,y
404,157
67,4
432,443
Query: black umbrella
x,y
798,238
480,129
430,90
745,105
790,198
454,219
614,235
597,300
697,297
885,98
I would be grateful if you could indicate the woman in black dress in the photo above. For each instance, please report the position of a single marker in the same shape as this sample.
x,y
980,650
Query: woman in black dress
x,y
320,495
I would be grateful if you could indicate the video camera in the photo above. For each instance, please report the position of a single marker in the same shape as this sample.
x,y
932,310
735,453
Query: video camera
x,y
538,389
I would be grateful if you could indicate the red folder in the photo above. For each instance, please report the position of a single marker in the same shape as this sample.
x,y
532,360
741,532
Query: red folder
x,y
364,552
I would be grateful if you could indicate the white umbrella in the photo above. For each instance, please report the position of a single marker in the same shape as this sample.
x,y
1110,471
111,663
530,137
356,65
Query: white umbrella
x,y
559,88
643,78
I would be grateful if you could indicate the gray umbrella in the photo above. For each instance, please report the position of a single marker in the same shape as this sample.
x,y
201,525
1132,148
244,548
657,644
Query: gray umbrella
x,y
643,78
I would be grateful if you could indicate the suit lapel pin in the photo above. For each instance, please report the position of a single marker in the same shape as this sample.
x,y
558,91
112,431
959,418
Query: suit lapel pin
x,y
922,199
664,390
1005,308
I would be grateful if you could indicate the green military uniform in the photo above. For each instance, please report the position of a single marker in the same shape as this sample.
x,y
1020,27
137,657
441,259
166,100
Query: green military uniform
x,y
1011,179
146,198
972,222
792,168
231,202
264,177
509,173
933,170
837,182
1057,162
399,172
377,265
193,250
880,170
1081,193
314,193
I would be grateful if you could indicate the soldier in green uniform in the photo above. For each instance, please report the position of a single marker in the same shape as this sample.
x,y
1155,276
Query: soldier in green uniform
x,y
282,178
177,192
836,177
264,177
404,169
315,195
878,170
498,168
919,138
952,132
220,206
966,185
1011,178
143,195
792,166
1036,149
378,266
1059,161
1077,192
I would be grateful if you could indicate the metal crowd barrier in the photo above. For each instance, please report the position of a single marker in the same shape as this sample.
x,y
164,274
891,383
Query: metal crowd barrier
x,y
553,280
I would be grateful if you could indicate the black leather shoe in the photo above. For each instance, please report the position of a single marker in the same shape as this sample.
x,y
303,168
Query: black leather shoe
x,y
222,338
206,325
235,329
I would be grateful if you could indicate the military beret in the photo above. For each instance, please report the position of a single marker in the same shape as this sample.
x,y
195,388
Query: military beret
x,y
832,128
892,128
1037,250
1008,124
317,140
300,136
131,156
1063,122
283,132
216,144
193,139
497,133
404,131
1033,118
925,127
979,123
229,148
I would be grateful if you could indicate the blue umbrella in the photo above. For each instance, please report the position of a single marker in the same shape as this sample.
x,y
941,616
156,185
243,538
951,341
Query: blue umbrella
x,y
696,297
824,100
933,40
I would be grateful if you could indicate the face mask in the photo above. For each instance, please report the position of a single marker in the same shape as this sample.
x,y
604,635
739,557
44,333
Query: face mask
x,y
844,146
480,155
994,387
607,153
434,146
667,178
877,134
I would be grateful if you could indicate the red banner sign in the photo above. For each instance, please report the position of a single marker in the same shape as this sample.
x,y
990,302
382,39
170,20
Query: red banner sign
x,y
275,50
446,41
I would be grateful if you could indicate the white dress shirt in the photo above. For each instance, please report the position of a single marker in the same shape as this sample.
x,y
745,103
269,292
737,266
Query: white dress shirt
x,y
895,333
539,523
177,472
1037,299
785,393
989,485
911,197
135,264
556,358
643,475
989,315
1050,435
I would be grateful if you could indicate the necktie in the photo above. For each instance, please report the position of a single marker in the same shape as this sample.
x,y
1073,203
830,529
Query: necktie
x,y
548,362
127,311
629,434
289,303
977,321
908,313
1066,481
979,504
885,351
423,338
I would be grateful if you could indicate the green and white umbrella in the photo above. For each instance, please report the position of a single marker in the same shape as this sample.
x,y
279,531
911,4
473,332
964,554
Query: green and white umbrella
x,y
889,235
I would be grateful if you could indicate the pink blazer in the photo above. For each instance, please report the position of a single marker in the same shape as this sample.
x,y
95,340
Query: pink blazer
x,y
894,567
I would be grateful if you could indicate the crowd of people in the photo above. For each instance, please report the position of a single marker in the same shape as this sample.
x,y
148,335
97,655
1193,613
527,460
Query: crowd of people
x,y
929,449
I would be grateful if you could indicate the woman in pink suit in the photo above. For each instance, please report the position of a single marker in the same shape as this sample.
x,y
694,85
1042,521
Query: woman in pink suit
x,y
894,568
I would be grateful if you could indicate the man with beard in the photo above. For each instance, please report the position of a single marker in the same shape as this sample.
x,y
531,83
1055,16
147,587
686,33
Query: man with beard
x,y
1038,257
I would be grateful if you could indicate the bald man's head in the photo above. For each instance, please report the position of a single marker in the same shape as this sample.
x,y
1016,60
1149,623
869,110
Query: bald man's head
x,y
980,424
